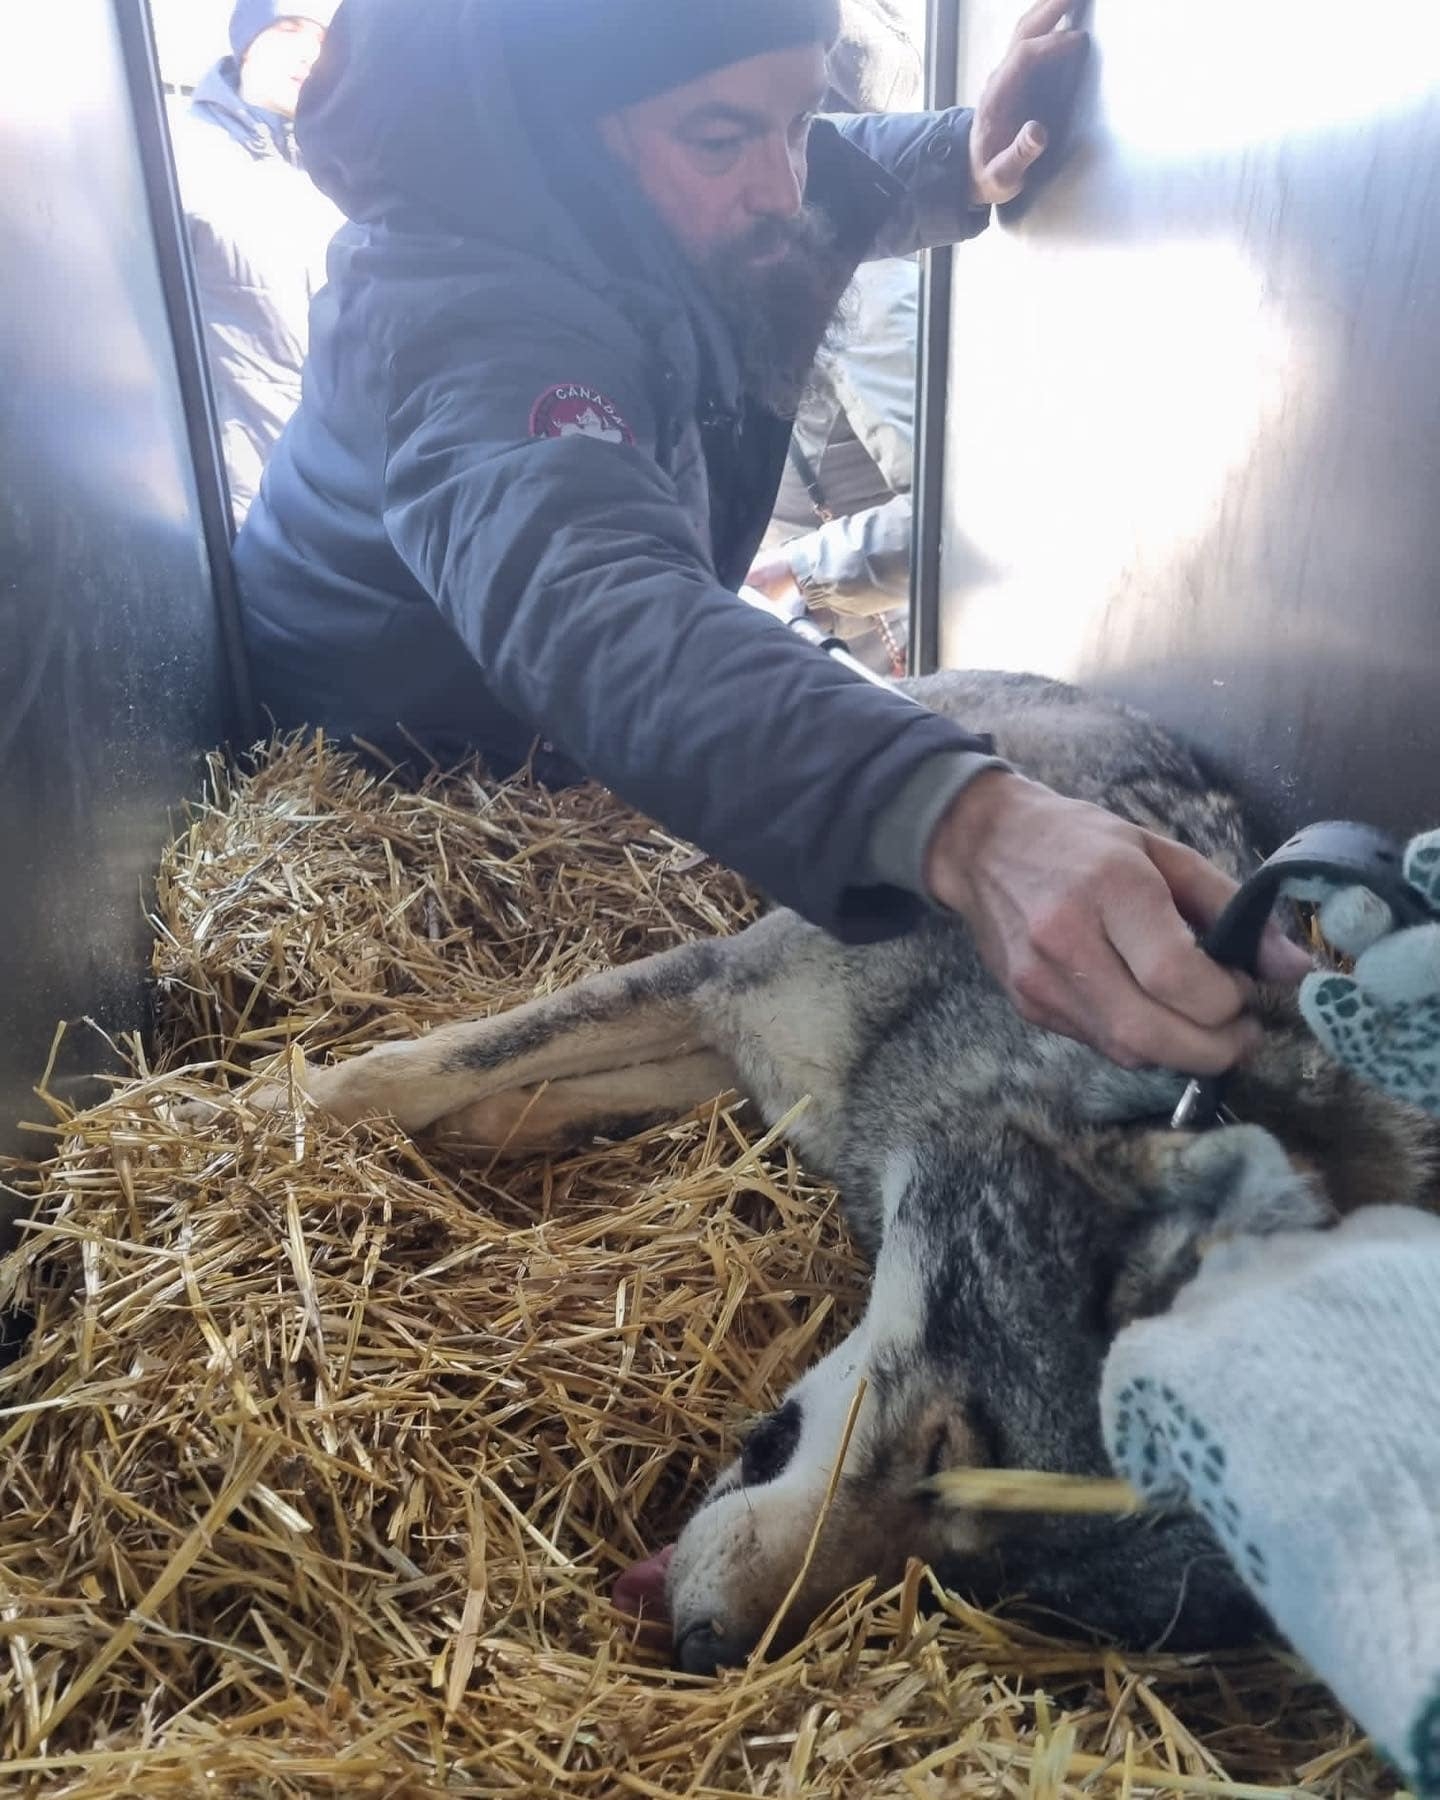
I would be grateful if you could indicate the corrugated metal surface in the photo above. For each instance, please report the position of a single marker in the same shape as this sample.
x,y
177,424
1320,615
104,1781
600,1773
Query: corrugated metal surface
x,y
110,672
1193,440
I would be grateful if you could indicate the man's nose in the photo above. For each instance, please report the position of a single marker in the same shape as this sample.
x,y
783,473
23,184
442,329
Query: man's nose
x,y
777,188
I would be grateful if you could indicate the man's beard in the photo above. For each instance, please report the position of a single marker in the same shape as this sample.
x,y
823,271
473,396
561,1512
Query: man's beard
x,y
780,314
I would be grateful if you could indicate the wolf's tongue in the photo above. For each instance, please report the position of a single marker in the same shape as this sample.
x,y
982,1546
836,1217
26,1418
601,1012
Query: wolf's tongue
x,y
640,1592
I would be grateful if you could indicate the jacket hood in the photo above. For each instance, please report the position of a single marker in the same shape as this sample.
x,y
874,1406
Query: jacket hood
x,y
250,17
410,116
409,123
217,98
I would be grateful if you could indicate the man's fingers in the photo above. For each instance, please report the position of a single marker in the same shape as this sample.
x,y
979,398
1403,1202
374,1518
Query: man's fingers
x,y
1171,968
1099,1001
1042,17
1038,59
1163,1038
1202,892
1038,80
1075,912
1005,174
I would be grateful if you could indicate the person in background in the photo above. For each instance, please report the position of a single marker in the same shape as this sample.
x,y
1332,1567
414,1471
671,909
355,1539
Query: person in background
x,y
877,64
839,540
259,227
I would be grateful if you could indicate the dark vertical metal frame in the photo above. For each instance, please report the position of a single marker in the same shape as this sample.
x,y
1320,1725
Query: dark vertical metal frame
x,y
942,56
182,306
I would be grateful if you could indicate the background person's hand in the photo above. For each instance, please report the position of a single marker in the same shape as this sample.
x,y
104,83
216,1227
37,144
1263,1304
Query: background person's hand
x,y
1027,100
771,575
1085,919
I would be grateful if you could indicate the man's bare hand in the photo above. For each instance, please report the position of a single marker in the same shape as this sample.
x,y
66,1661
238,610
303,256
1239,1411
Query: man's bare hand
x,y
1085,921
1026,101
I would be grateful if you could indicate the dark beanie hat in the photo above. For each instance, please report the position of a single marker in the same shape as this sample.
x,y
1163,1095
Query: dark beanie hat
x,y
586,57
251,17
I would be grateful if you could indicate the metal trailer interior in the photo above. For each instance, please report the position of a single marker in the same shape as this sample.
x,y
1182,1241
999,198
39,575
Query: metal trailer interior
x,y
1185,447
1180,439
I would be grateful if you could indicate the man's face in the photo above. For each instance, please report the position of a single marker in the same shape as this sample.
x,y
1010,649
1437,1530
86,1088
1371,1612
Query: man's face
x,y
278,64
722,159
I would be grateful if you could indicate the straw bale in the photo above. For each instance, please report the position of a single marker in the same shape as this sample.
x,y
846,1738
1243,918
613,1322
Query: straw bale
x,y
328,1445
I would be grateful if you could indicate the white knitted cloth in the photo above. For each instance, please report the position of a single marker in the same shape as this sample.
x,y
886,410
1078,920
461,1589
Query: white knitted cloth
x,y
1292,1395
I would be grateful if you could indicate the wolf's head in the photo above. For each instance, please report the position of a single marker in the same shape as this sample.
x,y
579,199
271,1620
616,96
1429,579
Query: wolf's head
x,y
1005,1270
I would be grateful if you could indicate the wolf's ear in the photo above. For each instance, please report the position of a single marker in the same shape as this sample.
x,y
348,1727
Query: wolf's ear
x,y
1128,1171
1181,1191
1240,1179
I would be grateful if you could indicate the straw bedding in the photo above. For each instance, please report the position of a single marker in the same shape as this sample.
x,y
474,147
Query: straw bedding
x,y
328,1446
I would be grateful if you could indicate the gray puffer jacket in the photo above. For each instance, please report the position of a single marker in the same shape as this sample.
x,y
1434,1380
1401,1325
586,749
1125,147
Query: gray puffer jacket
x,y
259,228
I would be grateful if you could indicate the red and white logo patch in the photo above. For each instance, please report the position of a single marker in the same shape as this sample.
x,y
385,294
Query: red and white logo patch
x,y
573,410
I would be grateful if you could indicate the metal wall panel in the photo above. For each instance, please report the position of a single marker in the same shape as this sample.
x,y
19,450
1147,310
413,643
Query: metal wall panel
x,y
1193,434
110,653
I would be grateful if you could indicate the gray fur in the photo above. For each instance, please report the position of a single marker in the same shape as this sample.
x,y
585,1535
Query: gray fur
x,y
1021,1196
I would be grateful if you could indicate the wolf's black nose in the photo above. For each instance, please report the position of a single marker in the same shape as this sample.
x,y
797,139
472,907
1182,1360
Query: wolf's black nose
x,y
701,1649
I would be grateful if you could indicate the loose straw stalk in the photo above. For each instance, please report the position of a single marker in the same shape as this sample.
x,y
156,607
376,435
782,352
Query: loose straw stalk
x,y
1032,1491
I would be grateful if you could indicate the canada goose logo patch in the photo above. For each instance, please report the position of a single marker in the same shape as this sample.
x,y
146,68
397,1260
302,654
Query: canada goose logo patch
x,y
573,410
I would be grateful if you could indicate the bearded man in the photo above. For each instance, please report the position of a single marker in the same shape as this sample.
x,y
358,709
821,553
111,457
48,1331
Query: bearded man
x,y
595,246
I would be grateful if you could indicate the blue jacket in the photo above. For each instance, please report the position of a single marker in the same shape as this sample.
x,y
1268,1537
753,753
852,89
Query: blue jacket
x,y
258,231
421,558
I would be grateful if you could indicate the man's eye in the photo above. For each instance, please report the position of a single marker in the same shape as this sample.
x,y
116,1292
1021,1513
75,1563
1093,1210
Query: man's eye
x,y
729,145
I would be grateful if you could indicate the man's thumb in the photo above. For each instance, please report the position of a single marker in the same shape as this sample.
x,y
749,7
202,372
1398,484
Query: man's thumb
x,y
1005,173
